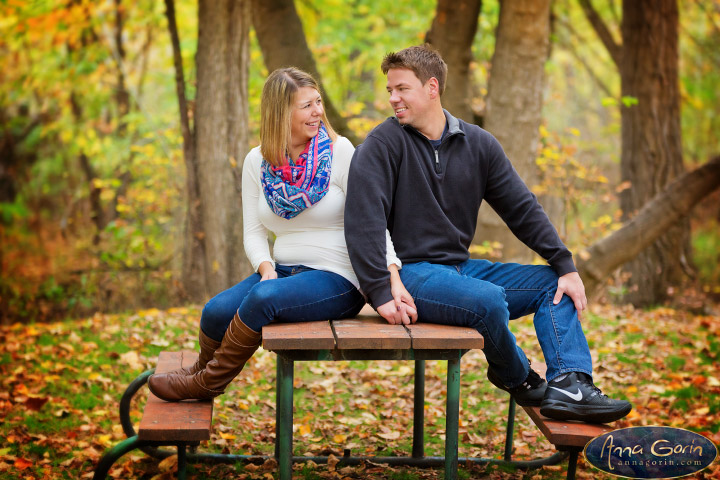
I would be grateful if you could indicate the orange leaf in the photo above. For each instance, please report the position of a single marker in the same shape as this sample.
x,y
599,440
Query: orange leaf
x,y
22,464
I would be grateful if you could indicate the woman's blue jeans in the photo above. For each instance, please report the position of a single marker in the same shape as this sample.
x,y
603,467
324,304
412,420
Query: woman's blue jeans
x,y
486,295
299,294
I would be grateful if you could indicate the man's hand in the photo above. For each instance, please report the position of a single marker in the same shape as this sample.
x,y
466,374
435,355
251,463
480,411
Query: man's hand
x,y
267,271
402,314
571,285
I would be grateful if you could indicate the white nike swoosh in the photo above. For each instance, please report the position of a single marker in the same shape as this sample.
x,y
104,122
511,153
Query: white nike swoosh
x,y
575,396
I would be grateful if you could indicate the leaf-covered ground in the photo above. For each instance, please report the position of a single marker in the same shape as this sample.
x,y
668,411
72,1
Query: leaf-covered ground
x,y
61,385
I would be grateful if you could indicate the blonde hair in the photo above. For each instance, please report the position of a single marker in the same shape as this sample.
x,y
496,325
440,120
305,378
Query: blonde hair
x,y
276,107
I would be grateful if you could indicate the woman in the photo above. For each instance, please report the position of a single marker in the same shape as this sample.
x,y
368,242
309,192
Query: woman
x,y
294,186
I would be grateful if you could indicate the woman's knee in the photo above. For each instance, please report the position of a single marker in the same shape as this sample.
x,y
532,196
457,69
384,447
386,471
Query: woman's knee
x,y
257,307
262,294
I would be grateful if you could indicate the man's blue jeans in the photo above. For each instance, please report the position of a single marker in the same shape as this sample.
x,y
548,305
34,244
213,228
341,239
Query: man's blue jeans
x,y
486,295
299,294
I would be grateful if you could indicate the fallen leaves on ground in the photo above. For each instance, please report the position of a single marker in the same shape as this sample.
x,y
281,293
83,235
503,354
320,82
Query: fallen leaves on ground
x,y
62,382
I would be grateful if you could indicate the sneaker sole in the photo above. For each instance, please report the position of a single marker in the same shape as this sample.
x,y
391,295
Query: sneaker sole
x,y
588,414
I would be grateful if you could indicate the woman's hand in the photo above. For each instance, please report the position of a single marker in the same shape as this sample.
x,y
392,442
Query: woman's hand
x,y
267,271
404,302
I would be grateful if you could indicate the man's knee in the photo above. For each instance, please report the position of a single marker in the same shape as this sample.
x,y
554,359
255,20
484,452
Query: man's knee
x,y
488,307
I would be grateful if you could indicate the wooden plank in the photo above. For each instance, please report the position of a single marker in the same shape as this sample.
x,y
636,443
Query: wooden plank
x,y
370,333
298,336
431,336
566,433
175,421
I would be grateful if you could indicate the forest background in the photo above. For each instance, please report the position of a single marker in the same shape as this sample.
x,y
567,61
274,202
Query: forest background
x,y
111,127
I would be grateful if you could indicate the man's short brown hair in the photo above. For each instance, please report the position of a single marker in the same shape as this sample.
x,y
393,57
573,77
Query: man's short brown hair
x,y
423,60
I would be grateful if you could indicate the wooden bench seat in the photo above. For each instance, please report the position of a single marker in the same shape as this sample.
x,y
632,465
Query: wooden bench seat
x,y
179,424
188,421
566,435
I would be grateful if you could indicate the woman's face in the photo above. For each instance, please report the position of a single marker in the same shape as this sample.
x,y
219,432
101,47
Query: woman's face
x,y
306,115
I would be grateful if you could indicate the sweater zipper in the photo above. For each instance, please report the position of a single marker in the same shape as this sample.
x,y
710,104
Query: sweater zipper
x,y
437,162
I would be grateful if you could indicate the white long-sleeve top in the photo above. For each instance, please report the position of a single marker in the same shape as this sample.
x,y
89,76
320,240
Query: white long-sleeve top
x,y
315,237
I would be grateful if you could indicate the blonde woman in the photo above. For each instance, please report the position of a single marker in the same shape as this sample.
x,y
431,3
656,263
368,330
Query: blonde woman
x,y
294,186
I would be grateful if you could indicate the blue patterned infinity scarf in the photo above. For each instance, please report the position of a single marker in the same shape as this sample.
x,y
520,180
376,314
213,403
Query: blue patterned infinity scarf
x,y
300,184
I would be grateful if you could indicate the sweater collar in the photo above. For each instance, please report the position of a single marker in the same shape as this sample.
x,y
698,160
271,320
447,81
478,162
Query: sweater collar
x,y
453,125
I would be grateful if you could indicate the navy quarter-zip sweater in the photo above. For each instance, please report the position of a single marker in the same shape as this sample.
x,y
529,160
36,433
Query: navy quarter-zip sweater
x,y
429,200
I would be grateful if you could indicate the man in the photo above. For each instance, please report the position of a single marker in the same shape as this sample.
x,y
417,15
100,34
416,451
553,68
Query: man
x,y
422,175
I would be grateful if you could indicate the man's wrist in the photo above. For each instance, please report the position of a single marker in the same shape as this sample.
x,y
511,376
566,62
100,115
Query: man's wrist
x,y
380,297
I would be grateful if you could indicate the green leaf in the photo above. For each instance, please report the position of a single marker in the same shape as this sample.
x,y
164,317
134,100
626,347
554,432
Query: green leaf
x,y
629,101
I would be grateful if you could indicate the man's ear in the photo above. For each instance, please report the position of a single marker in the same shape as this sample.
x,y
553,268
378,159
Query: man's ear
x,y
433,87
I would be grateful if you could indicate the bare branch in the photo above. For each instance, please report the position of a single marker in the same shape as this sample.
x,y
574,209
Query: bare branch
x,y
188,147
613,47
567,45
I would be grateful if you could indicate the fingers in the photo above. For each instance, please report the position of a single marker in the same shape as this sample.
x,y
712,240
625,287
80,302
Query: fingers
x,y
409,301
404,318
558,295
412,313
389,312
579,307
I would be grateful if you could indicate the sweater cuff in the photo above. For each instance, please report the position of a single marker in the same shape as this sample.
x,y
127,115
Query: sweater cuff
x,y
380,296
564,265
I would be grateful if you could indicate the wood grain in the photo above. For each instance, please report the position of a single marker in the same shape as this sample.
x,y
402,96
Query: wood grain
x,y
298,336
370,333
186,421
430,336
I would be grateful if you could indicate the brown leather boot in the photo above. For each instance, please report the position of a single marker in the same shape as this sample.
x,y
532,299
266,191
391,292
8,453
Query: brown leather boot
x,y
207,350
238,345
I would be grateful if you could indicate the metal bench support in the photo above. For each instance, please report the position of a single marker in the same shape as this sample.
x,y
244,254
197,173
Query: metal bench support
x,y
284,423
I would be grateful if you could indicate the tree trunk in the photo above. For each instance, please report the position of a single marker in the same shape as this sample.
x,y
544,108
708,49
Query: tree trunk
x,y
452,33
283,44
657,216
122,96
193,250
651,154
220,136
514,109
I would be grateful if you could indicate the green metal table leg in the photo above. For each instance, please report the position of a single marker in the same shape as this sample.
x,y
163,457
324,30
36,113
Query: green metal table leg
x,y
572,464
452,419
182,461
107,460
283,428
510,431
277,408
418,448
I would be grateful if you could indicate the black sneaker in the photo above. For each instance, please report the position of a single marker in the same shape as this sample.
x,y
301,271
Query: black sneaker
x,y
530,393
576,397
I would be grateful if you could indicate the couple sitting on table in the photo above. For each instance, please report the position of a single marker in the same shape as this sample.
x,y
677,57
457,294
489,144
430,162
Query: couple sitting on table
x,y
391,222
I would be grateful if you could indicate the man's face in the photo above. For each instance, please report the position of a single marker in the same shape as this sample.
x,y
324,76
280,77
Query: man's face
x,y
409,98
